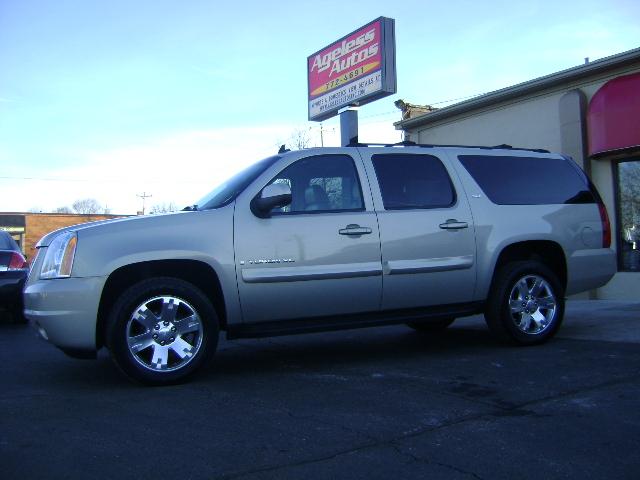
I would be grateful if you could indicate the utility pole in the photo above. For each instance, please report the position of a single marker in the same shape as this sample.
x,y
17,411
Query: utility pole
x,y
144,196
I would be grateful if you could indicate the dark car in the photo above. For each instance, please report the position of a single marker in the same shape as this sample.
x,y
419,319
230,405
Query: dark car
x,y
13,273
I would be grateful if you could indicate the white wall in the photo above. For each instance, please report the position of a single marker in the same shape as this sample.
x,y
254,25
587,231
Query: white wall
x,y
533,123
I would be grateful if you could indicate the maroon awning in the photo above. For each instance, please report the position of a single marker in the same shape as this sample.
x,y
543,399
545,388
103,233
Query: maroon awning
x,y
613,120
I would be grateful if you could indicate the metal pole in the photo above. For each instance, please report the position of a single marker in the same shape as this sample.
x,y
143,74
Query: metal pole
x,y
349,126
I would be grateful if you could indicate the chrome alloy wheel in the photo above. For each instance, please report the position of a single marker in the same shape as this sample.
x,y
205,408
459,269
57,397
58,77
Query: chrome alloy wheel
x,y
164,333
532,304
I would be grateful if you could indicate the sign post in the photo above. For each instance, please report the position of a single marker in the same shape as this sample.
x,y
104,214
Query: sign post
x,y
349,126
353,71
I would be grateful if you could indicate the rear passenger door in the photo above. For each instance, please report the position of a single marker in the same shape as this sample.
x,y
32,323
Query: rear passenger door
x,y
426,230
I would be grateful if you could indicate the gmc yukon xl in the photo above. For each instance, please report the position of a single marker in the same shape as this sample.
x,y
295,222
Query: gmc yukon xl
x,y
326,239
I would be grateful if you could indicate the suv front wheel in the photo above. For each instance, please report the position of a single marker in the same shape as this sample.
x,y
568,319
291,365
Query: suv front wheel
x,y
161,330
526,303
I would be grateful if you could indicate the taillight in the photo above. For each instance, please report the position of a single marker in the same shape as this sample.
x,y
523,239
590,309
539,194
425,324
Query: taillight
x,y
606,225
17,262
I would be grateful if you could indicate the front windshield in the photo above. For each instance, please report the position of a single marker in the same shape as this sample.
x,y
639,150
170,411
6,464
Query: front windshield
x,y
227,191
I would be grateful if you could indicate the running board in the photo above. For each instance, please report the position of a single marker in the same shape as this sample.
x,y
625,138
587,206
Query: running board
x,y
345,322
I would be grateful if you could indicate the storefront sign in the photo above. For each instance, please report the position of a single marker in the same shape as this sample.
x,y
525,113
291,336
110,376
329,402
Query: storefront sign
x,y
357,69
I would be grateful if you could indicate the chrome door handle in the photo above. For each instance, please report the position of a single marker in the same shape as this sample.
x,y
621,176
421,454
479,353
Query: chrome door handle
x,y
453,224
354,229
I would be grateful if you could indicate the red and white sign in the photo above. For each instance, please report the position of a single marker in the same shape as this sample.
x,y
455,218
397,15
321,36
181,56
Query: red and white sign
x,y
355,70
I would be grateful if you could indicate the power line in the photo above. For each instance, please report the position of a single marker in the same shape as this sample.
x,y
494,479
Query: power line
x,y
458,99
440,102
118,180
95,180
49,179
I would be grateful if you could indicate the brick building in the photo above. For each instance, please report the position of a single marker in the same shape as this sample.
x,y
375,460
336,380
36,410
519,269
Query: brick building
x,y
28,228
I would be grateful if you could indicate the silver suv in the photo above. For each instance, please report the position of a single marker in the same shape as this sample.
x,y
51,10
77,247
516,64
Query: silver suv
x,y
324,239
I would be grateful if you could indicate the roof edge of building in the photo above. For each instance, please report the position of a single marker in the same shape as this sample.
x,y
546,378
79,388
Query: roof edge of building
x,y
56,214
530,86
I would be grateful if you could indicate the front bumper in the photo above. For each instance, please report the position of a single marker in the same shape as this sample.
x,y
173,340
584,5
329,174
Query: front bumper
x,y
65,311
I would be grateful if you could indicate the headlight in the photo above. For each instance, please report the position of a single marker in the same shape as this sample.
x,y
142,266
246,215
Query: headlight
x,y
58,260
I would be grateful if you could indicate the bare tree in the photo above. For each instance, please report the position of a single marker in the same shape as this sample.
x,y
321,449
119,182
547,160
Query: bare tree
x,y
87,206
300,139
64,209
164,208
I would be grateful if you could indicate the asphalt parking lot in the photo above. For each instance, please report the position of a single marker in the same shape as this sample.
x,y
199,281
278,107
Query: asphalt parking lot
x,y
381,403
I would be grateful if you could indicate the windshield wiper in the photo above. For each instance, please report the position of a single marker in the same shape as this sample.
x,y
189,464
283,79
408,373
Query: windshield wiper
x,y
190,208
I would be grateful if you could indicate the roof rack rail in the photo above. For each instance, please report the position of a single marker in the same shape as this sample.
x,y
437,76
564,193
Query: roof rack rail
x,y
405,143
408,143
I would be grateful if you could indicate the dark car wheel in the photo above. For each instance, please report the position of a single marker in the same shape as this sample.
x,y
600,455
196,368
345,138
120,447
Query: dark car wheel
x,y
161,330
526,303
18,316
431,326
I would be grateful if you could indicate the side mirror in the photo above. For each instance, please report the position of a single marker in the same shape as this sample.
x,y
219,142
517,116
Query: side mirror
x,y
272,196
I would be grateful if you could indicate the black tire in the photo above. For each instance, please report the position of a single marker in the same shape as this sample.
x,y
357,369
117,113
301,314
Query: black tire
x,y
18,317
14,315
534,289
150,313
432,326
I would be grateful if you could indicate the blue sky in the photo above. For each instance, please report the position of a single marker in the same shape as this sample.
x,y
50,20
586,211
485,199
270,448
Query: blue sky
x,y
110,99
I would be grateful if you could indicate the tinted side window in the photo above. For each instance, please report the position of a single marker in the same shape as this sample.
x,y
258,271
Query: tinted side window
x,y
323,183
527,180
413,181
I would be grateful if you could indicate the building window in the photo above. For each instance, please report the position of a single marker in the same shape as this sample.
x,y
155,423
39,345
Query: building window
x,y
628,205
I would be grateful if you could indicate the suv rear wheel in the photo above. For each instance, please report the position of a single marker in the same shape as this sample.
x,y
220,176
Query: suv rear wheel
x,y
161,330
526,303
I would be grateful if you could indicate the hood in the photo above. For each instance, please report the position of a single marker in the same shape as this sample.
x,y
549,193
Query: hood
x,y
46,240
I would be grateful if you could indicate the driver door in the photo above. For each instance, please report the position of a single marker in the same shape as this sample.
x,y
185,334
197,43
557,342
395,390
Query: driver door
x,y
318,256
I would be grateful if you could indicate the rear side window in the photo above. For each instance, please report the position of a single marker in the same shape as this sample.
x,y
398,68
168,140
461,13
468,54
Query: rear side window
x,y
508,180
413,181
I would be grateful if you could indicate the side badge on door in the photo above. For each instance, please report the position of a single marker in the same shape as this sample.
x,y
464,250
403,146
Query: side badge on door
x,y
263,261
